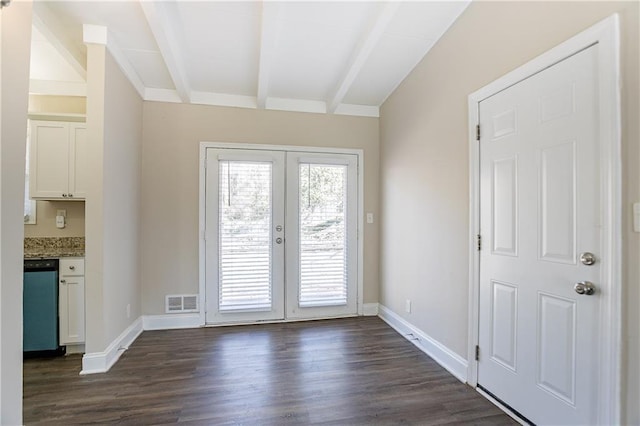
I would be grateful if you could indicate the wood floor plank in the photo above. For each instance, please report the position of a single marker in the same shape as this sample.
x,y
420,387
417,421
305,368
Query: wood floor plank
x,y
355,371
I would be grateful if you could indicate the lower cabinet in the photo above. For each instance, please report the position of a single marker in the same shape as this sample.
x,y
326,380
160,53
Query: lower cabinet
x,y
71,299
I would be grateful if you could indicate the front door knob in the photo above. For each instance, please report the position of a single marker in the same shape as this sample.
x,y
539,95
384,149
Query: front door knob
x,y
585,287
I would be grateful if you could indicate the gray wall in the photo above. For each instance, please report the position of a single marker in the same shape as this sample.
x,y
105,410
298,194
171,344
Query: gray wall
x,y
122,195
114,119
424,163
172,134
15,49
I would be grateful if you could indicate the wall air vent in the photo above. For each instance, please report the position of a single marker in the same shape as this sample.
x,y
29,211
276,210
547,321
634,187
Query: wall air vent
x,y
180,303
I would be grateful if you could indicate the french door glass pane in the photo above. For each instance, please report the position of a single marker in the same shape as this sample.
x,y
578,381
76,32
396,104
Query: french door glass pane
x,y
323,236
245,201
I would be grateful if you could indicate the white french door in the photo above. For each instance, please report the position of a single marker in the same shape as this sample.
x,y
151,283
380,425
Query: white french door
x,y
322,234
244,262
281,235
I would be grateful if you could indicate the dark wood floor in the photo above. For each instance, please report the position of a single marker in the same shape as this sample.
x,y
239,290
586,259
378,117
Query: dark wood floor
x,y
354,371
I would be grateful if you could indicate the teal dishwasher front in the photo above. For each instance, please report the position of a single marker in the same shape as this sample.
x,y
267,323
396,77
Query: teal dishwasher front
x,y
40,305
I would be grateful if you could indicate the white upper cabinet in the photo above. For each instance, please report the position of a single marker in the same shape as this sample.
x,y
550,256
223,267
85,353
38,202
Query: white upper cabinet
x,y
78,170
58,163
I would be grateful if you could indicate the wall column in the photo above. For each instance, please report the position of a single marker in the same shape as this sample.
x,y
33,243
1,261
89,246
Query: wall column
x,y
15,55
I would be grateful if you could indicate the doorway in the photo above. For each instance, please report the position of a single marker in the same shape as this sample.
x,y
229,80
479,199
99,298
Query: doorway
x,y
281,235
545,182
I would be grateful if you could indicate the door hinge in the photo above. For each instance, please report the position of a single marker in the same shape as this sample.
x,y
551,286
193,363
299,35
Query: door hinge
x,y
477,353
477,132
479,242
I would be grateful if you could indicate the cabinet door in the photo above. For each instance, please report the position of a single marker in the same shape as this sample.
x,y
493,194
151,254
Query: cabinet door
x,y
49,162
78,153
71,310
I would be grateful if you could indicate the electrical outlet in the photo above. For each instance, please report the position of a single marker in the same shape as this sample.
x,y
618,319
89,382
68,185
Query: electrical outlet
x,y
128,310
407,306
61,213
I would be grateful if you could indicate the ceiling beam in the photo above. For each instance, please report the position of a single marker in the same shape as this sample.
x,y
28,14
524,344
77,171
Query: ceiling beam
x,y
98,34
50,26
362,52
163,31
271,24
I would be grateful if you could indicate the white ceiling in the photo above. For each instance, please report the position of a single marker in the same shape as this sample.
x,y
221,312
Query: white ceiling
x,y
331,56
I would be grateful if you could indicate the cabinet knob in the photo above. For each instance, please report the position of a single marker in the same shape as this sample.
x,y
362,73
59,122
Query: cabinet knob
x,y
70,195
64,195
63,281
72,267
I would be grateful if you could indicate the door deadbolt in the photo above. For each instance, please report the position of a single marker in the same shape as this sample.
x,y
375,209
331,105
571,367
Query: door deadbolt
x,y
279,228
587,258
278,240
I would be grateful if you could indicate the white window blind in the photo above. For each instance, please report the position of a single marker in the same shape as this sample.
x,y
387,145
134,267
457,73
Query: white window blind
x,y
323,236
245,235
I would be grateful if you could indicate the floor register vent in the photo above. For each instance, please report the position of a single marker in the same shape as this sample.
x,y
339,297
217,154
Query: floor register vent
x,y
180,303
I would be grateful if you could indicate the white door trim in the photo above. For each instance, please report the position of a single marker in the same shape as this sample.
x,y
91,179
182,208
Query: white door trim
x,y
264,147
606,35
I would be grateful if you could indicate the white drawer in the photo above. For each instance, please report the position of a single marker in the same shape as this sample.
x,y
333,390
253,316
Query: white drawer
x,y
72,266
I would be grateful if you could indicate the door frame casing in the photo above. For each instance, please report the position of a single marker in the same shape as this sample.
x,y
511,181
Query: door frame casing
x,y
606,35
204,145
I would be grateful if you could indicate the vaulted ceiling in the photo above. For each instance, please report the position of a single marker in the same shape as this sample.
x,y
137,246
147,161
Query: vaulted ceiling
x,y
327,57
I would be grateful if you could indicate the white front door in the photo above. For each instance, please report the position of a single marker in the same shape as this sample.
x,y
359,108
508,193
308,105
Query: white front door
x,y
281,235
540,211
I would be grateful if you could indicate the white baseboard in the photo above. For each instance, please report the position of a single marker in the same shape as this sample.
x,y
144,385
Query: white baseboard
x,y
444,356
101,362
171,321
370,309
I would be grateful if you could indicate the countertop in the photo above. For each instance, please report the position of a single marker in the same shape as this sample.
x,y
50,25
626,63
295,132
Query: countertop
x,y
53,247
52,253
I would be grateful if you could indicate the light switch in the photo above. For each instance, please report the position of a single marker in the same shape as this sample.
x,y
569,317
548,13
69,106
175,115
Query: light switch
x,y
636,217
369,217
